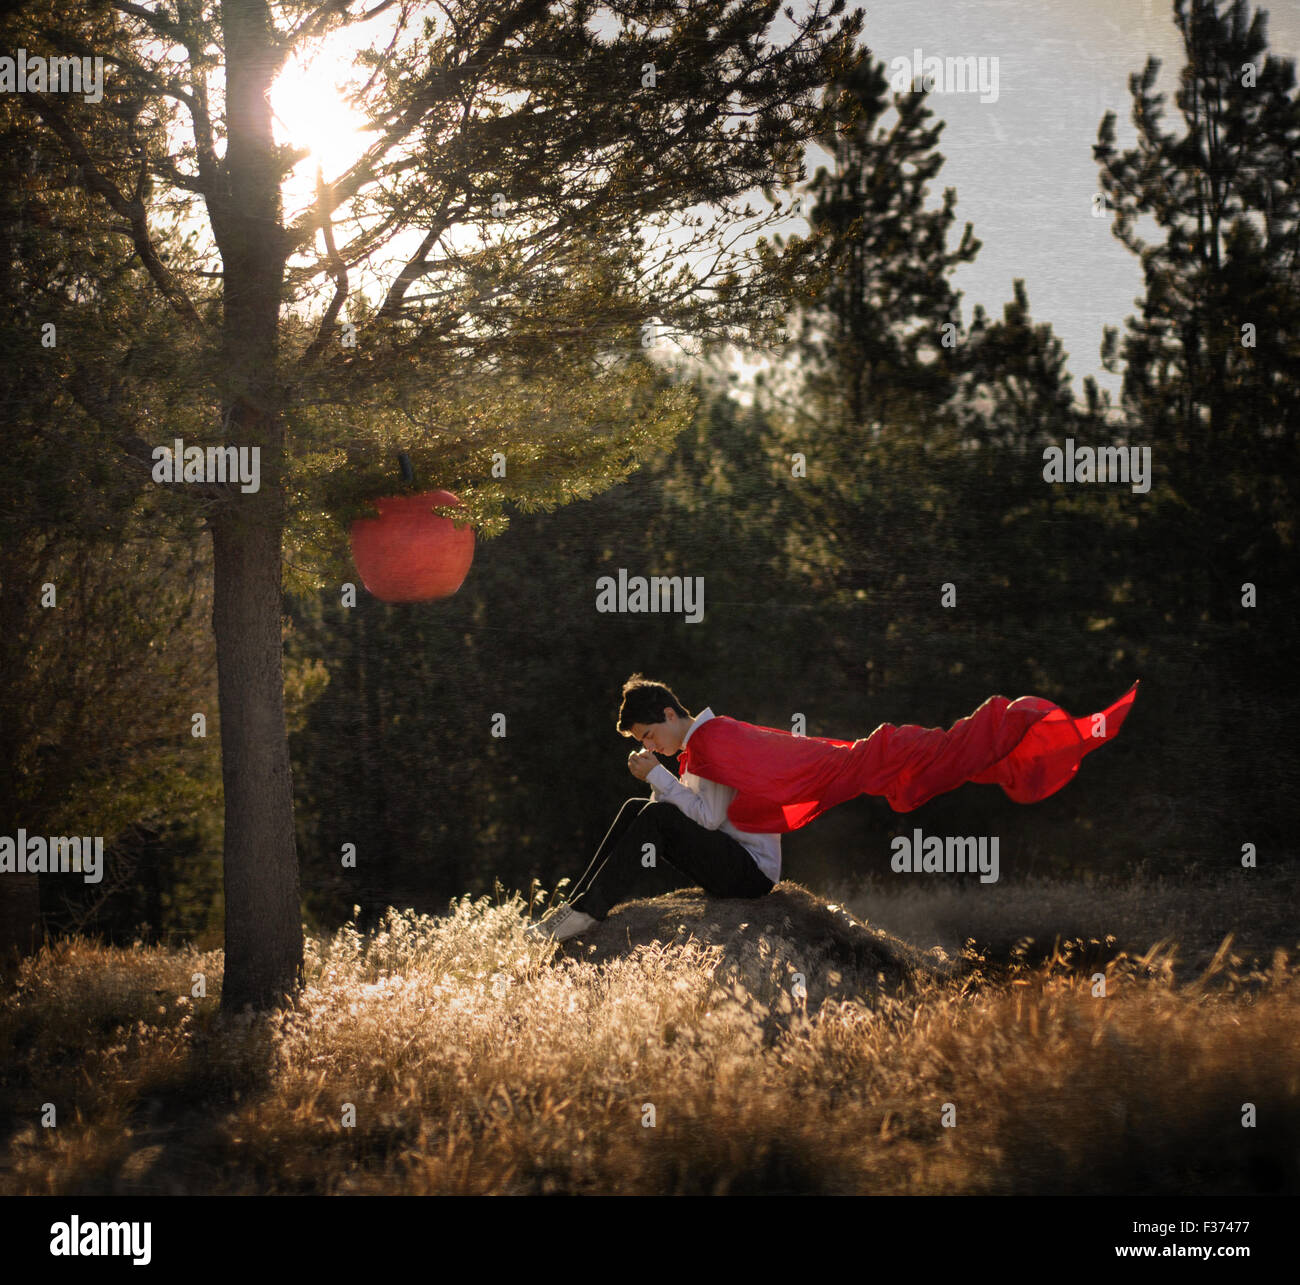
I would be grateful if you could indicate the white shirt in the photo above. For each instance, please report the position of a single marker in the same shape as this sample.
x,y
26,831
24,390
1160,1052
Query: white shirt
x,y
706,802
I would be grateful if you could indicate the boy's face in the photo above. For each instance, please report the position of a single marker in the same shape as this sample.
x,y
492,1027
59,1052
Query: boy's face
x,y
662,738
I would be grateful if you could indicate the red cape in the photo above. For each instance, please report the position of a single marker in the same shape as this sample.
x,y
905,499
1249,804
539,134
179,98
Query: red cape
x,y
1030,747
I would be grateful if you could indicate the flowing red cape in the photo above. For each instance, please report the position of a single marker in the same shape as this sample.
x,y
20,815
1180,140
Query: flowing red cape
x,y
1030,747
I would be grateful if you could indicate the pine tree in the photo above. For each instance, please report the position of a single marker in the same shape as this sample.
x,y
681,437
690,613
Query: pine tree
x,y
878,330
1212,384
100,594
1210,366
516,125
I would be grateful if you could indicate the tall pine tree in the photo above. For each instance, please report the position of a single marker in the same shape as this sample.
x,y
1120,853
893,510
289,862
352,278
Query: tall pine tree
x,y
496,216
1212,384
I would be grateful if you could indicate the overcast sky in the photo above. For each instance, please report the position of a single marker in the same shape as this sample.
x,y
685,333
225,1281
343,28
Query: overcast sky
x,y
1022,165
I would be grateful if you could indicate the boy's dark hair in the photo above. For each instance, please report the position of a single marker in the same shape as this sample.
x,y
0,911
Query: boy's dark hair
x,y
644,701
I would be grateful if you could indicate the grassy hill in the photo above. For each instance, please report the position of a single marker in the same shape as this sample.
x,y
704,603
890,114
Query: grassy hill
x,y
687,1045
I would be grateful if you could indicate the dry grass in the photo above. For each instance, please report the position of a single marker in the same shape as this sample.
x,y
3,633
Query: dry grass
x,y
1258,907
478,1062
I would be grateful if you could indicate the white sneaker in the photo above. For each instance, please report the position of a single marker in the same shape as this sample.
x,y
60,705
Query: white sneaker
x,y
562,923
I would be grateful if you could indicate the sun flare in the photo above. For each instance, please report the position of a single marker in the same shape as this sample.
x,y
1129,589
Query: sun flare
x,y
312,107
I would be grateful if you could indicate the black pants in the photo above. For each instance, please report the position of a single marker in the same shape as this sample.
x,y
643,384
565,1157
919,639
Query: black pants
x,y
686,856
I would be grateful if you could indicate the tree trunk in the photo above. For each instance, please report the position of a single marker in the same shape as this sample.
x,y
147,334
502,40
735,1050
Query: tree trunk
x,y
263,911
20,916
21,928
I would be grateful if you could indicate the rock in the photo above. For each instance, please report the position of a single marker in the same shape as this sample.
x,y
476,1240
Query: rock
x,y
139,1174
789,950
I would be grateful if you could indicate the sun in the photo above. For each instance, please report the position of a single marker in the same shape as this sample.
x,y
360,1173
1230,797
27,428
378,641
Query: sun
x,y
312,108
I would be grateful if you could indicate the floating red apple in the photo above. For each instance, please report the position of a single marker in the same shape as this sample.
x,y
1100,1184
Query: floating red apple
x,y
408,553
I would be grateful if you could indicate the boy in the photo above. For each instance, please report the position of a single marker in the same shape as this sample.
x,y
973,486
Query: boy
x,y
744,785
685,821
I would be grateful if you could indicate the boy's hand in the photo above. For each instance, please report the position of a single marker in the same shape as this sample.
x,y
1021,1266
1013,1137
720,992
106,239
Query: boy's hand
x,y
641,763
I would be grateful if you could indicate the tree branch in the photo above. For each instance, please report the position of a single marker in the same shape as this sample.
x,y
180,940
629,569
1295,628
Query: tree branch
x,y
337,268
138,454
133,211
356,177
153,19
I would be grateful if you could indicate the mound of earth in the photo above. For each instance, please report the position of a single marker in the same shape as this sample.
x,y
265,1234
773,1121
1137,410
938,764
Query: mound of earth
x,y
789,943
